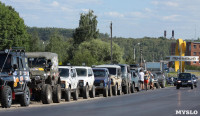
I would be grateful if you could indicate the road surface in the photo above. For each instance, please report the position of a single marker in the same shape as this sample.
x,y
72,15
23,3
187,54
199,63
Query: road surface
x,y
160,102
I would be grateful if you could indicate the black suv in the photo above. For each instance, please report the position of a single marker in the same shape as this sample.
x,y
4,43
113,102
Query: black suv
x,y
14,77
185,80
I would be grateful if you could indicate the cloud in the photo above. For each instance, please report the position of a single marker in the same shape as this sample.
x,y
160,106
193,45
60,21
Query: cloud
x,y
171,17
85,10
168,3
115,14
55,4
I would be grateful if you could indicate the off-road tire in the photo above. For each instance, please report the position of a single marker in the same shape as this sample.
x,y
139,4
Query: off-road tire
x,y
133,88
195,86
92,92
86,92
125,89
138,88
25,97
163,84
115,90
110,91
67,94
57,93
157,86
46,94
119,92
177,87
105,91
75,94
6,97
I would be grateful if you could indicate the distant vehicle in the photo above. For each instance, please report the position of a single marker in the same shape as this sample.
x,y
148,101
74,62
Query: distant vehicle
x,y
155,81
195,80
102,81
170,80
86,81
161,79
185,80
116,79
126,78
69,82
135,84
14,78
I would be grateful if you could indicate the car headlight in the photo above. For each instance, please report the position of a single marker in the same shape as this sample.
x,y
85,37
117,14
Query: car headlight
x,y
179,81
189,81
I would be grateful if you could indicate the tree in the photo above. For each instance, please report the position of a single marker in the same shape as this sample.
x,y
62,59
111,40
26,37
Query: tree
x,y
87,29
35,43
12,29
96,52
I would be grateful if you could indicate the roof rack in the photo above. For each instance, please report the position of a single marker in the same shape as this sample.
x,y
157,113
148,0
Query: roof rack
x,y
18,49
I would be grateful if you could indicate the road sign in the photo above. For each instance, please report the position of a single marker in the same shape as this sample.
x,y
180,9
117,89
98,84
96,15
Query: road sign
x,y
183,58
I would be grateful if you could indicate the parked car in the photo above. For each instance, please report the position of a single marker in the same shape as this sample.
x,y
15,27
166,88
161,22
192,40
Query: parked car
x,y
102,81
126,78
195,80
69,82
86,81
135,84
14,78
116,79
45,80
185,80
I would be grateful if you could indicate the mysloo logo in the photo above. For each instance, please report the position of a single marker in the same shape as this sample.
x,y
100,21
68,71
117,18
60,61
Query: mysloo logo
x,y
186,112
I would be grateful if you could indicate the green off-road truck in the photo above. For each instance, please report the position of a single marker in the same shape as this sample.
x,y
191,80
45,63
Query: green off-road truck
x,y
44,74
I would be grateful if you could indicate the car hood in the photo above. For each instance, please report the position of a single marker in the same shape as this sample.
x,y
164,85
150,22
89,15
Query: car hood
x,y
64,79
82,78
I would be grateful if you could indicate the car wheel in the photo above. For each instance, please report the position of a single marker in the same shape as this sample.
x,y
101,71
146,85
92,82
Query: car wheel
x,y
195,86
177,87
6,97
115,90
138,88
25,97
86,92
56,94
46,95
92,92
75,94
67,94
125,89
119,92
133,88
105,91
110,91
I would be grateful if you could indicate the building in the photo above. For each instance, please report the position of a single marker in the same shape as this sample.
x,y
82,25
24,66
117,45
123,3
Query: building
x,y
192,49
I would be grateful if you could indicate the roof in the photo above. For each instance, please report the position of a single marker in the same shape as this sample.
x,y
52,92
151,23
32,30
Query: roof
x,y
123,64
65,67
99,68
47,55
86,67
108,66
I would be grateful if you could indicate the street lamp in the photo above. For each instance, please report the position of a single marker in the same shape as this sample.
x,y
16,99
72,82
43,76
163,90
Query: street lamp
x,y
134,51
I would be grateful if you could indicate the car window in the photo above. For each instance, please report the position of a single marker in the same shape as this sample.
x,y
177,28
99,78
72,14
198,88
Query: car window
x,y
185,76
64,72
81,71
99,73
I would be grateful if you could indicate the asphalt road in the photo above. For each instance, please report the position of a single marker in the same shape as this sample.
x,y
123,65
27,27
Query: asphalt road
x,y
160,102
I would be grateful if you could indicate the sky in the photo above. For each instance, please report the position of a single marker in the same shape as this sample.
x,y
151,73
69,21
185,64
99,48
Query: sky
x,y
130,18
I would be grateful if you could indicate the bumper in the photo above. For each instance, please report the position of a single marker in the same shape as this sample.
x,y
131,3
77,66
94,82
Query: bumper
x,y
184,84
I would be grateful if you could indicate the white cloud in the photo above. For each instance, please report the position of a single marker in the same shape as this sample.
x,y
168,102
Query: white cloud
x,y
114,14
168,3
85,10
171,18
55,4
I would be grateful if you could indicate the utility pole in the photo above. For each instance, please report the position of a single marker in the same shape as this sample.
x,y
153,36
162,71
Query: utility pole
x,y
111,41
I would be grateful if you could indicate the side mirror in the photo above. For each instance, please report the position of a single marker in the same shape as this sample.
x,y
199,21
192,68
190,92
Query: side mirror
x,y
15,66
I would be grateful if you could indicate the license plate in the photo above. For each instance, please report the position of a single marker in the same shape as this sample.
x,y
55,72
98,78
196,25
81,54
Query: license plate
x,y
184,83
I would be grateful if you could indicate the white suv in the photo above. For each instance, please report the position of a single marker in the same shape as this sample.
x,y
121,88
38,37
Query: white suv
x,y
86,81
69,82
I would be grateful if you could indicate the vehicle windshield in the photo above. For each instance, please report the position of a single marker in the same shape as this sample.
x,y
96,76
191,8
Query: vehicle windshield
x,y
7,61
36,62
99,73
184,76
123,69
112,71
81,71
64,72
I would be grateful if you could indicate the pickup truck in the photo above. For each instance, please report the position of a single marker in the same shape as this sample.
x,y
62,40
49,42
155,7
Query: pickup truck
x,y
69,82
102,81
116,79
86,81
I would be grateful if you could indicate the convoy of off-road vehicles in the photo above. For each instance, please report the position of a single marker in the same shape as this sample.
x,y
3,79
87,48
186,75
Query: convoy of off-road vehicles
x,y
36,76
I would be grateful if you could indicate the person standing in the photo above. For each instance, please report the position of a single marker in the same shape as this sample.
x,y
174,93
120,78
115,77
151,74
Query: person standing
x,y
141,79
146,80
